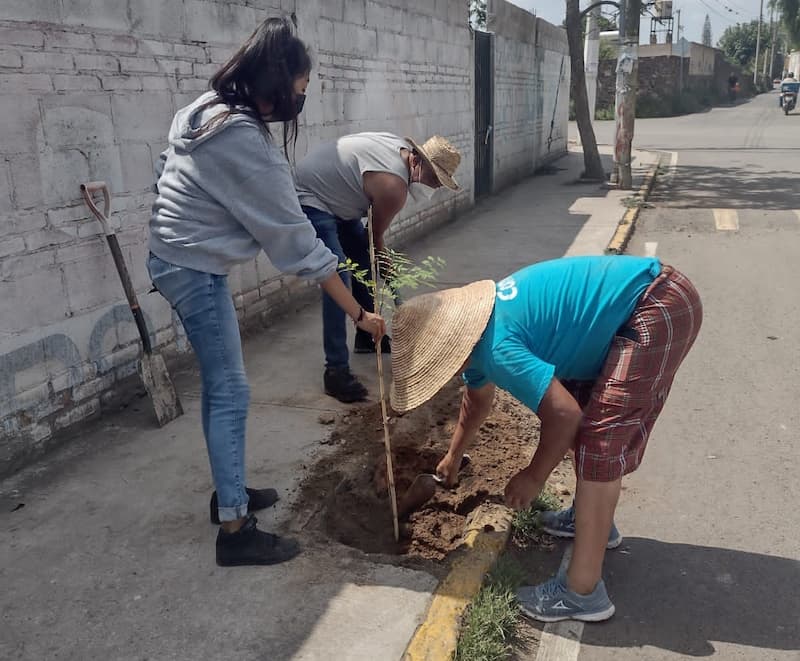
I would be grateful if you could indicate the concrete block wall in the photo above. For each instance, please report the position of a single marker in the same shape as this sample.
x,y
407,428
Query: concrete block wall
x,y
532,75
87,91
553,85
395,65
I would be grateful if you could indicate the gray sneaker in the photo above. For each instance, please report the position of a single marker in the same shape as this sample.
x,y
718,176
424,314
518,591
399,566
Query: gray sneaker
x,y
562,524
554,601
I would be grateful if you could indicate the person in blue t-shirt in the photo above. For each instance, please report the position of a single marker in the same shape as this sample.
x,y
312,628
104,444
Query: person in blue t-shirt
x,y
591,344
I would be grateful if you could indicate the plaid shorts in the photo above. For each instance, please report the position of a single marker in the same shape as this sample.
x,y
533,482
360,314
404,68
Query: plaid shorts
x,y
621,406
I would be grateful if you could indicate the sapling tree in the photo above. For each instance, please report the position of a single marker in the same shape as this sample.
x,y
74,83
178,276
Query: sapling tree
x,y
389,272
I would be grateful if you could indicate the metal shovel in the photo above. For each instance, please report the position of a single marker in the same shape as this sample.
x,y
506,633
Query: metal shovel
x,y
422,489
152,368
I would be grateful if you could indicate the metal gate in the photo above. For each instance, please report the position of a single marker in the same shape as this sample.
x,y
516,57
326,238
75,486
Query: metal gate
x,y
484,104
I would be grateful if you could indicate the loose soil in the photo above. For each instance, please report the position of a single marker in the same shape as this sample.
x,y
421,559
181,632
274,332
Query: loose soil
x,y
345,495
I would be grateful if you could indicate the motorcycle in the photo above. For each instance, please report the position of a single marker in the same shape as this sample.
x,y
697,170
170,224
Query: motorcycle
x,y
789,96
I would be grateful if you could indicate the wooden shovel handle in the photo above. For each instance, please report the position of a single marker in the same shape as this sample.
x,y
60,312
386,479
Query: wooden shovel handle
x,y
88,190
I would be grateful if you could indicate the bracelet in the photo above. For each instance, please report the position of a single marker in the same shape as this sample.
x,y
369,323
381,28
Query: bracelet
x,y
360,316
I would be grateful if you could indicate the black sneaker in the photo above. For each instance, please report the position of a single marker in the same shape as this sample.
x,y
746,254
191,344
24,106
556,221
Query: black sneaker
x,y
258,499
251,546
342,385
364,343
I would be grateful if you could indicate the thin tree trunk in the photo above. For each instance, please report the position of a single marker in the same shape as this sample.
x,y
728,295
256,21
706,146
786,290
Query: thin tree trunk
x,y
593,166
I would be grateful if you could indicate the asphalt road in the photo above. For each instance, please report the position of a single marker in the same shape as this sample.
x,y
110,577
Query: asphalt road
x,y
710,563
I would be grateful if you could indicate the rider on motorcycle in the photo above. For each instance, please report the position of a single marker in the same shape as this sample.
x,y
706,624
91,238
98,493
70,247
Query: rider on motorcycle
x,y
789,79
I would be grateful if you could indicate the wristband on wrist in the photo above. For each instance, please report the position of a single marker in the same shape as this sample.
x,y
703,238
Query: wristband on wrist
x,y
360,317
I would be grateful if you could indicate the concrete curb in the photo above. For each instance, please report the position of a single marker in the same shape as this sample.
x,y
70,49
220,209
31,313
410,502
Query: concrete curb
x,y
485,536
627,225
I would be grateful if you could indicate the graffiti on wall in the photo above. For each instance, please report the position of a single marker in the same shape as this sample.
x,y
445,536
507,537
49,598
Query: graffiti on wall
x,y
61,348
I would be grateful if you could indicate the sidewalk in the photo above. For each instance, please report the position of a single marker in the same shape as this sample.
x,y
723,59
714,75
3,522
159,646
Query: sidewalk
x,y
112,555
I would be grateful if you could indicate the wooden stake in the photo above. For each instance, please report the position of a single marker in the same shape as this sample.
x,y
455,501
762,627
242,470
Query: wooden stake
x,y
387,443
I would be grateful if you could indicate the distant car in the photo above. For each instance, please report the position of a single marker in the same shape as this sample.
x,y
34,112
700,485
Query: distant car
x,y
777,81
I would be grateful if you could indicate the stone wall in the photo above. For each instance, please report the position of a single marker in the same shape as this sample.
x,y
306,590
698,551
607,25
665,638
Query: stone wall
x,y
705,78
532,74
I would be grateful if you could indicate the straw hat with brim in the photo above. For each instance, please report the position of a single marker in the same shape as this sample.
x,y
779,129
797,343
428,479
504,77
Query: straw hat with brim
x,y
432,337
443,158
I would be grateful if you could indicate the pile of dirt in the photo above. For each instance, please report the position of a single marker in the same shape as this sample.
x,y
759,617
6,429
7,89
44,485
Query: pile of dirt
x,y
346,496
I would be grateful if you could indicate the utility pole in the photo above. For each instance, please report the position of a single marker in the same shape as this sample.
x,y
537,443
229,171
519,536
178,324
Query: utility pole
x,y
773,47
768,60
680,45
627,86
758,42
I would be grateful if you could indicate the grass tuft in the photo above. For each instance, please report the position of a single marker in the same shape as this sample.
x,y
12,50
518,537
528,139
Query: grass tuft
x,y
525,528
490,623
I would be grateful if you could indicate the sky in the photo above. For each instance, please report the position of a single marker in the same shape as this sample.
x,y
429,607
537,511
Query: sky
x,y
722,13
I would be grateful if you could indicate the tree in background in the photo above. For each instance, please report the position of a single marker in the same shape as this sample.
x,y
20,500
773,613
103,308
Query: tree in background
x,y
790,13
707,32
593,166
608,48
477,14
738,42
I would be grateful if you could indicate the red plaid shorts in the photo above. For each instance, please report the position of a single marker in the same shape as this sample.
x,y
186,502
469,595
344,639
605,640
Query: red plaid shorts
x,y
621,406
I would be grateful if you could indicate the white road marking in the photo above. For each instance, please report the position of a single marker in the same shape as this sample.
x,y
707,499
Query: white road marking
x,y
726,220
650,248
672,167
561,641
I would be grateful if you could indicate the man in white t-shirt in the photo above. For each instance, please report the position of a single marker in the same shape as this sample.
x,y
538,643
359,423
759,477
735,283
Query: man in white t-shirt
x,y
337,182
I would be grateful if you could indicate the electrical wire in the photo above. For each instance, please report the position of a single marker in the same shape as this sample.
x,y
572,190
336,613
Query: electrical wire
x,y
714,9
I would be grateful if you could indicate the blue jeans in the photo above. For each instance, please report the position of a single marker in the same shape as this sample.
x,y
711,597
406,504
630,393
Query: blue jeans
x,y
345,238
205,307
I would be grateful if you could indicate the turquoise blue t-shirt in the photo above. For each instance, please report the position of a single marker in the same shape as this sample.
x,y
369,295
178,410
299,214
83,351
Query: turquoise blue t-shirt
x,y
557,319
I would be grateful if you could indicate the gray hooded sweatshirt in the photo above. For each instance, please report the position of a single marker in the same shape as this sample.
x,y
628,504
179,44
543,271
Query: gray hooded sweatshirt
x,y
226,193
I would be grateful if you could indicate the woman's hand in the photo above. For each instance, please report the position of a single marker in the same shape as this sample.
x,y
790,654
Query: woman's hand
x,y
373,324
366,321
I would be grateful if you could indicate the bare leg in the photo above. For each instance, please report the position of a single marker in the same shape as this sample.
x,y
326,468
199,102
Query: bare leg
x,y
233,526
595,503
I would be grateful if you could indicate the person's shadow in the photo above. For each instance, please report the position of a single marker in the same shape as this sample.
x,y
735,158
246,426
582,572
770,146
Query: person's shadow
x,y
683,598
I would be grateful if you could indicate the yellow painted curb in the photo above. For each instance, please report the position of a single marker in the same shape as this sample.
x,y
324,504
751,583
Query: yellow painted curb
x,y
485,537
626,226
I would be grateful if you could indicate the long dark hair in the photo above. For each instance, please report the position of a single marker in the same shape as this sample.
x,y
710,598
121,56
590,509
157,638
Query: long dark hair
x,y
264,69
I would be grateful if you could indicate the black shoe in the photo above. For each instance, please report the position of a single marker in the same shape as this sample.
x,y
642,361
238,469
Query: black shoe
x,y
251,546
258,499
364,343
342,385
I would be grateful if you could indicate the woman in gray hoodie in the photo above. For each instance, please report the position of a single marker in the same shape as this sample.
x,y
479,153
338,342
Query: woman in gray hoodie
x,y
225,191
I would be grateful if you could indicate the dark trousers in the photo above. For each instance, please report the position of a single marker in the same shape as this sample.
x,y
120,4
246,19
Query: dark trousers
x,y
345,238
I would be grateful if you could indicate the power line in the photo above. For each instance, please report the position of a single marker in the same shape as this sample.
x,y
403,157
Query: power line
x,y
713,9
728,8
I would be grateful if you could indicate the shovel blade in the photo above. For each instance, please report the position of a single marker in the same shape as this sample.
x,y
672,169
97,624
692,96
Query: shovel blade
x,y
157,382
422,489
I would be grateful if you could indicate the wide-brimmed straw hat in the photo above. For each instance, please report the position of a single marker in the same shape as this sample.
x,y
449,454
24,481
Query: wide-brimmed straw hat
x,y
443,158
432,337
